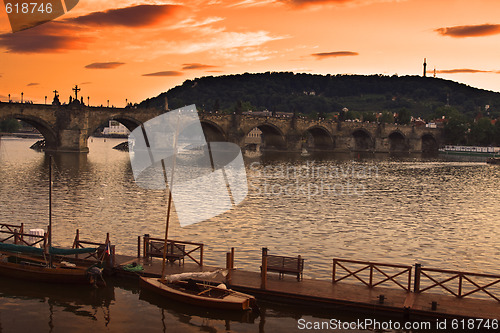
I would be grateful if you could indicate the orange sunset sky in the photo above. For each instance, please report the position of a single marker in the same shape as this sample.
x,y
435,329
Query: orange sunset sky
x,y
133,50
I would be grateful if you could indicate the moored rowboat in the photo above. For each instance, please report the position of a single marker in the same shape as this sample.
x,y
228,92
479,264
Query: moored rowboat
x,y
30,267
199,294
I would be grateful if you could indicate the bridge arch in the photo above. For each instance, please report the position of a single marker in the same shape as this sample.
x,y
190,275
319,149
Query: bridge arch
x,y
212,131
272,137
363,140
398,142
45,129
429,143
129,122
318,137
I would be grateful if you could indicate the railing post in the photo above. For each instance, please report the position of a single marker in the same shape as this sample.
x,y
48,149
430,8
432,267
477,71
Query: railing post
x,y
371,275
146,246
416,285
21,231
77,239
228,267
15,236
409,279
263,273
460,277
201,255
333,270
111,256
138,246
232,258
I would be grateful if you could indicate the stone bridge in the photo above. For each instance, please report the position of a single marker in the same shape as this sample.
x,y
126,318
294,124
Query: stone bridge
x,y
294,134
68,127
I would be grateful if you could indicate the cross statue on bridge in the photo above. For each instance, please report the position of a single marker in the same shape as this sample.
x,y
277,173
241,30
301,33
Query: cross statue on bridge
x,y
76,90
56,101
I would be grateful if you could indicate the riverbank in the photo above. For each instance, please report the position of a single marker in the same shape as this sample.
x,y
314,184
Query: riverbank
x,y
22,135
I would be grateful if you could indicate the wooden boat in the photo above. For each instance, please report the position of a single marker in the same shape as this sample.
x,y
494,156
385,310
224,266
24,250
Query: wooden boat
x,y
30,267
199,294
40,264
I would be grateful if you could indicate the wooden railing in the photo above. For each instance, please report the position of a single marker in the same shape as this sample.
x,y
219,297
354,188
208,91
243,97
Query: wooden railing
x,y
374,274
186,249
449,277
12,230
105,251
18,236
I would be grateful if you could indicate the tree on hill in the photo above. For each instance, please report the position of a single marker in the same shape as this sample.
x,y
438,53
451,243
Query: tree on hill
x,y
404,117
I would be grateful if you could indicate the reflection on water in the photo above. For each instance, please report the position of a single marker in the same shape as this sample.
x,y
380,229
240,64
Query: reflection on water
x,y
401,210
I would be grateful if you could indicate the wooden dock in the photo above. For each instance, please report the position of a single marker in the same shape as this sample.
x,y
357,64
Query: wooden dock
x,y
323,293
378,287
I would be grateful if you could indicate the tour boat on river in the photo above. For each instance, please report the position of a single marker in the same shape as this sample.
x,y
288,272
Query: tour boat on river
x,y
470,150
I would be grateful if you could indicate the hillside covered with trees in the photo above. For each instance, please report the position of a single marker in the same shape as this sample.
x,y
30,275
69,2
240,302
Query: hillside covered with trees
x,y
468,111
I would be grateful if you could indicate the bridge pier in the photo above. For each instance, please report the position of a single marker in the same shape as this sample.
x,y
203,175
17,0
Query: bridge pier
x,y
382,145
72,141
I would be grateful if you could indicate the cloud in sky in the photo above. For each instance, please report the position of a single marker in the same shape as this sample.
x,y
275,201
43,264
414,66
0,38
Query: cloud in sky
x,y
192,22
165,73
134,16
222,41
50,37
462,31
196,66
32,84
253,3
334,54
464,71
72,34
308,3
104,65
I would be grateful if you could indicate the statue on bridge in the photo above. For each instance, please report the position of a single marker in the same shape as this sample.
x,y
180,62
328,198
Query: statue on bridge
x,y
56,101
74,100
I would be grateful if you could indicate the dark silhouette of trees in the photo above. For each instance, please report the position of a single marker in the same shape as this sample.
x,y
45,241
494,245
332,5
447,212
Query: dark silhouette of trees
x,y
327,95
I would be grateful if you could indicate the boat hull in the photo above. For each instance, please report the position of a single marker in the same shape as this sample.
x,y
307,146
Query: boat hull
x,y
24,271
234,301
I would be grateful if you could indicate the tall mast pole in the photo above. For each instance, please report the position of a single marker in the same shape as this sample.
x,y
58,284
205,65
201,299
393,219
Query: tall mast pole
x,y
169,205
50,209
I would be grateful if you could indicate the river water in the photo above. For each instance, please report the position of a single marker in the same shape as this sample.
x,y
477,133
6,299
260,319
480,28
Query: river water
x,y
400,210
